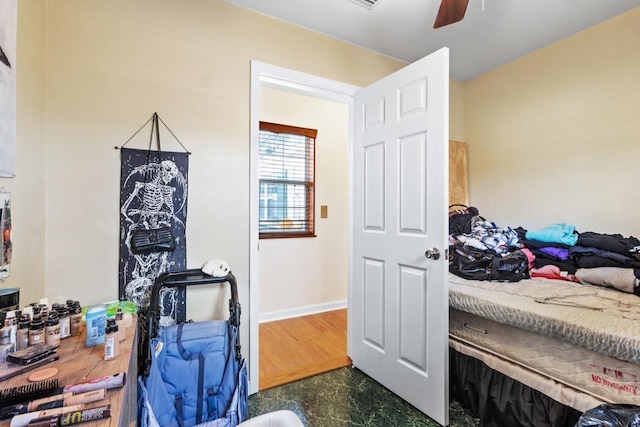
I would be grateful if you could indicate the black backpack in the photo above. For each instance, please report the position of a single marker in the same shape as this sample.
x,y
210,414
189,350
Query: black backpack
x,y
474,264
460,219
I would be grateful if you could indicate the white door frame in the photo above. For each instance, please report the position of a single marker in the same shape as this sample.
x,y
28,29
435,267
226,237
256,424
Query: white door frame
x,y
267,75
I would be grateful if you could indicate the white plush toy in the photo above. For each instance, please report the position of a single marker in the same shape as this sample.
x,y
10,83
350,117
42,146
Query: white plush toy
x,y
216,268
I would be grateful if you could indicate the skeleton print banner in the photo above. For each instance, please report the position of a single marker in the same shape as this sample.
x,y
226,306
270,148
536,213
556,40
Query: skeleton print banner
x,y
153,193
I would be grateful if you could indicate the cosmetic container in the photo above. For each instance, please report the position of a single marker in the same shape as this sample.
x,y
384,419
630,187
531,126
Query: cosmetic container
x,y
36,331
65,321
96,323
52,329
121,324
75,318
22,336
111,340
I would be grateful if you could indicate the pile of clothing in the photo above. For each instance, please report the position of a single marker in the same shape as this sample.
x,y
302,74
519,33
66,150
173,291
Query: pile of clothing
x,y
594,258
558,251
480,250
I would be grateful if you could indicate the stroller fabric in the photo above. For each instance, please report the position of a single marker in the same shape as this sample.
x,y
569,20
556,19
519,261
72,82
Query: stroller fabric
x,y
196,377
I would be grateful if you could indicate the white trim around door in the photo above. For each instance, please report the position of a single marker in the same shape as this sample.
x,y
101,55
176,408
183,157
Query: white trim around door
x,y
267,75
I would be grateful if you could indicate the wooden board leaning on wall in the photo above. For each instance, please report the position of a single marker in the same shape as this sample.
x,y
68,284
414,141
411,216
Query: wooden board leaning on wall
x,y
458,178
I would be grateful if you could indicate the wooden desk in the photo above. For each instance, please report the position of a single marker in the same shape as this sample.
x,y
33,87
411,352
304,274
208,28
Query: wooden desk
x,y
78,363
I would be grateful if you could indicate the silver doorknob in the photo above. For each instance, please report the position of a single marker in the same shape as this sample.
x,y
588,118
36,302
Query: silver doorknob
x,y
433,253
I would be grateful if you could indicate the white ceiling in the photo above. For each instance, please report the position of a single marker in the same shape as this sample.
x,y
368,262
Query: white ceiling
x,y
483,40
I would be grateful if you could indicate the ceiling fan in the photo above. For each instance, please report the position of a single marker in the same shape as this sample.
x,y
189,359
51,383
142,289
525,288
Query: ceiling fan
x,y
450,11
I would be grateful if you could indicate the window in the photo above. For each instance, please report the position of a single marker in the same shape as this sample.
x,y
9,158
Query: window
x,y
287,175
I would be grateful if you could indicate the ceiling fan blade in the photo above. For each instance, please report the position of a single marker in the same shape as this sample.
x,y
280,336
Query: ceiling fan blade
x,y
450,11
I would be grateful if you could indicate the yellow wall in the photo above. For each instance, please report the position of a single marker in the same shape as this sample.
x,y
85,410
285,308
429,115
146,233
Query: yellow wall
x,y
310,274
110,66
27,188
555,137
456,110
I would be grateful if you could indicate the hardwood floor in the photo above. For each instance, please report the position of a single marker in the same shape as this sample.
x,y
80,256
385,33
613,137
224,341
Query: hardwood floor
x,y
301,347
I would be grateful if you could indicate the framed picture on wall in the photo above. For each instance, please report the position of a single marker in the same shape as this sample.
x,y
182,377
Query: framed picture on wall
x,y
5,235
8,24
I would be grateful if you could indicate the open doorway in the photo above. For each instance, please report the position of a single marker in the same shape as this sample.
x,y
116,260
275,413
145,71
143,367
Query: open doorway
x,y
303,280
391,118
284,84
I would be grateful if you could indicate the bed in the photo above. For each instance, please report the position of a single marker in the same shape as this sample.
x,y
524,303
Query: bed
x,y
539,352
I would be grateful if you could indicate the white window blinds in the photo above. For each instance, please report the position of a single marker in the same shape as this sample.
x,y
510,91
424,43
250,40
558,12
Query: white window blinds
x,y
287,175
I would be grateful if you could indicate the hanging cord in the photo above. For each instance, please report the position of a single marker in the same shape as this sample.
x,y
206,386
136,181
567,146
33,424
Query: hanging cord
x,y
172,134
132,136
154,126
157,117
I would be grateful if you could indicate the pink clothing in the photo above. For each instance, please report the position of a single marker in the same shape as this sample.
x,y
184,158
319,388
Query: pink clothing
x,y
551,271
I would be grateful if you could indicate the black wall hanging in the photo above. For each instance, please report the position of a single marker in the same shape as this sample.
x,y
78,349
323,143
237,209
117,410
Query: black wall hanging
x,y
153,220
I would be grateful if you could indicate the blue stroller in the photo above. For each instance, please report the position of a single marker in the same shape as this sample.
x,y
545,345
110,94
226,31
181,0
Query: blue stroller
x,y
194,372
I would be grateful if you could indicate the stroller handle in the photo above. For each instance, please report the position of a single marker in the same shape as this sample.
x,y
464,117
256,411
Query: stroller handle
x,y
185,278
190,277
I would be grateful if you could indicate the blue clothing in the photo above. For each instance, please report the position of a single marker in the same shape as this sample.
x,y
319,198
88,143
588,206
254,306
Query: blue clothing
x,y
558,233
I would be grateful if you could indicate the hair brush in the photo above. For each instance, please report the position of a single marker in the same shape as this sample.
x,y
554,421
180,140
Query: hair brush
x,y
28,392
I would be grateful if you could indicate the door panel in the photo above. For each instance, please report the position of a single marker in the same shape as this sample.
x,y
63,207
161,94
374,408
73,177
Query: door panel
x,y
412,184
373,114
413,301
374,187
413,98
398,300
374,304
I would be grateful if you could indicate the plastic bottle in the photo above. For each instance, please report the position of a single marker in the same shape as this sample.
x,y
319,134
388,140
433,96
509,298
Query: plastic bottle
x,y
111,340
5,335
121,324
36,331
65,321
44,311
35,308
11,322
52,329
96,323
128,308
76,318
22,339
28,310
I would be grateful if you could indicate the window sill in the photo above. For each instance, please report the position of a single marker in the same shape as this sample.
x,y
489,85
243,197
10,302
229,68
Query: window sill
x,y
285,236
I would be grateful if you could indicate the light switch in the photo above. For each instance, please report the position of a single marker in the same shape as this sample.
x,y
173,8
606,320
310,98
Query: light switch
x,y
324,211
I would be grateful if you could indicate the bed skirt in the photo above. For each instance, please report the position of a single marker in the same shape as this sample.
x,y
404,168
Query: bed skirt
x,y
498,400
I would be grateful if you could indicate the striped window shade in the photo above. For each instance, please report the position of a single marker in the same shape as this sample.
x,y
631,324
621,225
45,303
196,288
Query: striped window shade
x,y
287,181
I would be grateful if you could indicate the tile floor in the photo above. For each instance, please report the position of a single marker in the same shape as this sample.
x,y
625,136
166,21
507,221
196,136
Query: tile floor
x,y
347,397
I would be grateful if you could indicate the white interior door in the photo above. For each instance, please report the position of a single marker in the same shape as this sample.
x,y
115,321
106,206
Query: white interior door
x,y
398,298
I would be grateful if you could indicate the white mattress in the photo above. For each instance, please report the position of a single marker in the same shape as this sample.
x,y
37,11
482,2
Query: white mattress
x,y
605,378
603,320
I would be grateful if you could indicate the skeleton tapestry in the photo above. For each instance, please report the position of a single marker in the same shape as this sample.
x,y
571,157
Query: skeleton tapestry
x,y
153,194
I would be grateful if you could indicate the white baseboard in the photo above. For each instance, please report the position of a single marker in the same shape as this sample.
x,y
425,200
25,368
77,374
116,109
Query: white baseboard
x,y
301,311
